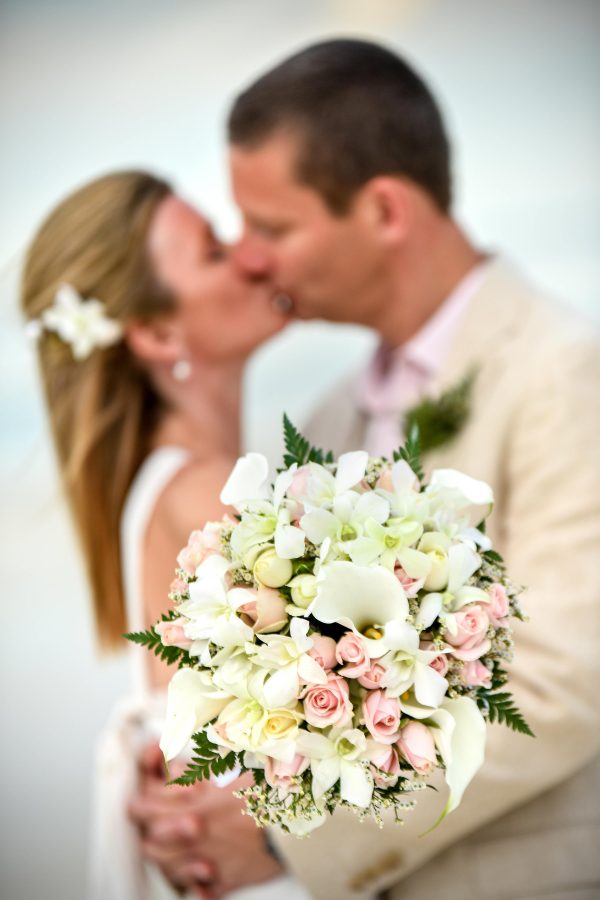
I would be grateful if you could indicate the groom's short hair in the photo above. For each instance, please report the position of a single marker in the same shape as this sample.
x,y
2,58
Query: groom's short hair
x,y
359,111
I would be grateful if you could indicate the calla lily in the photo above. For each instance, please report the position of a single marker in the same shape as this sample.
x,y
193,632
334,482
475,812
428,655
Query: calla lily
x,y
338,756
249,480
192,701
366,600
459,733
410,706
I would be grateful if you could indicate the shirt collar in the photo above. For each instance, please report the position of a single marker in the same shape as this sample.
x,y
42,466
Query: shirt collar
x,y
426,350
429,347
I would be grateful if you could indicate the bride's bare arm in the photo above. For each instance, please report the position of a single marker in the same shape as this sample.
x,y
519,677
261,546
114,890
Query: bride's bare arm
x,y
188,502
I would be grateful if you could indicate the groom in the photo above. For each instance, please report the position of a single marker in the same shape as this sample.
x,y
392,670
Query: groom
x,y
341,167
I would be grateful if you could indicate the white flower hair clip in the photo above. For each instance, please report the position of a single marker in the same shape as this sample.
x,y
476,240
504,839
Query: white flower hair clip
x,y
81,323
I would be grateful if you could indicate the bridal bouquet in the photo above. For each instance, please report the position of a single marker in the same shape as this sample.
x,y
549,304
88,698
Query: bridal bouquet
x,y
342,637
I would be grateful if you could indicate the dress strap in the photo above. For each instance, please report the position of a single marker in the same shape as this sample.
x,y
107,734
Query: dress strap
x,y
157,470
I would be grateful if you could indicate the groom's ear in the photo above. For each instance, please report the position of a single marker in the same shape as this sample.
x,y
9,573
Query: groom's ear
x,y
387,203
158,340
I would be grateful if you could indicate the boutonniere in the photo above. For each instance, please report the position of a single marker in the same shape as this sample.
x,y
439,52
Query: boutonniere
x,y
441,418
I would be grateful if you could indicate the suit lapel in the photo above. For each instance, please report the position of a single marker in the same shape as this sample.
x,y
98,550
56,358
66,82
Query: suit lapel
x,y
493,314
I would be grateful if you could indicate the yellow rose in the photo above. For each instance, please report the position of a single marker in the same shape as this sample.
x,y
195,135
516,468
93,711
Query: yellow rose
x,y
304,590
271,570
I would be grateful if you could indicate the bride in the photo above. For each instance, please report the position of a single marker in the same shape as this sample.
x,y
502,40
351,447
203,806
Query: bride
x,y
143,326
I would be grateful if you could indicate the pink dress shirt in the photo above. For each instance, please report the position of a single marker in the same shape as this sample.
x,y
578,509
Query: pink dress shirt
x,y
397,378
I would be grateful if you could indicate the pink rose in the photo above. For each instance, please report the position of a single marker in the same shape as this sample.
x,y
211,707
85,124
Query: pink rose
x,y
385,481
265,610
280,774
411,586
297,492
373,675
178,586
323,651
200,545
328,704
417,746
352,650
172,634
475,674
299,482
385,766
440,662
469,641
498,607
382,716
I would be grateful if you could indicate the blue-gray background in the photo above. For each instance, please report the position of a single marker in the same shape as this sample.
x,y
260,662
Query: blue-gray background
x,y
90,86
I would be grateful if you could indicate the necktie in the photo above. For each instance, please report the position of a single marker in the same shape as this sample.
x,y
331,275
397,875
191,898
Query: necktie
x,y
393,384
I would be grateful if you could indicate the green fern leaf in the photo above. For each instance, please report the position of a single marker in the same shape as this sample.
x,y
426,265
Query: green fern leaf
x,y
298,449
152,641
206,761
501,708
410,452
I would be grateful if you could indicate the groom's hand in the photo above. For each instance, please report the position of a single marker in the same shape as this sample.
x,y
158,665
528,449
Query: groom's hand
x,y
197,835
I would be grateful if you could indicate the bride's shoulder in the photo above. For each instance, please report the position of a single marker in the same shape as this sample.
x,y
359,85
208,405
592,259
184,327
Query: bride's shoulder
x,y
192,496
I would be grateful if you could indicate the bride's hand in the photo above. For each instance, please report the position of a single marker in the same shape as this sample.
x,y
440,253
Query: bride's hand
x,y
197,835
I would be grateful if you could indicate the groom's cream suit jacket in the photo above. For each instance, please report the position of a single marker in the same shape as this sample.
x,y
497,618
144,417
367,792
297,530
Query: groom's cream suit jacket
x,y
529,824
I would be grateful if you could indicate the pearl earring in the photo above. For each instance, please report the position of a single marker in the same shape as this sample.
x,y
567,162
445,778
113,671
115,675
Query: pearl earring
x,y
182,370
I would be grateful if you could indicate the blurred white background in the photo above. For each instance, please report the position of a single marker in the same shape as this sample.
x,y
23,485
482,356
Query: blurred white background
x,y
89,86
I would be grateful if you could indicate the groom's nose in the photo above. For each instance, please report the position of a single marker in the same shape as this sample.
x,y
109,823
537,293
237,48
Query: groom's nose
x,y
252,259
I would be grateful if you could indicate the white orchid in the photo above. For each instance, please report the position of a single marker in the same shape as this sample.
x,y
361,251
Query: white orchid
x,y
249,480
407,666
232,670
347,522
266,515
459,732
339,756
192,701
461,562
366,600
288,663
211,608
400,487
83,324
249,723
388,544
323,487
453,495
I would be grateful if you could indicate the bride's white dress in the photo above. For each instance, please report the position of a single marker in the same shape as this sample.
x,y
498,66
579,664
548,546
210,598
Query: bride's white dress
x,y
118,871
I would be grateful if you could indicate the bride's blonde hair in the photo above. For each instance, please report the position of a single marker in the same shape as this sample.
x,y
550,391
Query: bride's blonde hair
x,y
102,409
